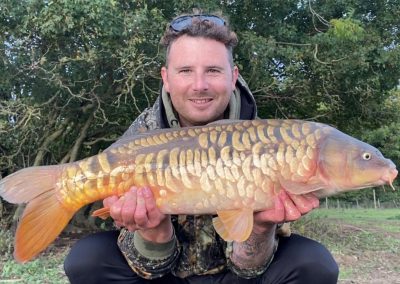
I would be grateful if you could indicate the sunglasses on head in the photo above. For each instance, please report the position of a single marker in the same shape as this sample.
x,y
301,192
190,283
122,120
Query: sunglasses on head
x,y
183,22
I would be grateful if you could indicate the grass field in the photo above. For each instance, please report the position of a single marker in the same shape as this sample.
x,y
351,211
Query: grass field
x,y
364,242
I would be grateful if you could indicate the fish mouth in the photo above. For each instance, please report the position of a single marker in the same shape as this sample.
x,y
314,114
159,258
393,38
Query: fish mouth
x,y
389,177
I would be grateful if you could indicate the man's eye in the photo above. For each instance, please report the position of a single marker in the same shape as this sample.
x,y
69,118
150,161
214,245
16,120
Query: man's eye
x,y
184,71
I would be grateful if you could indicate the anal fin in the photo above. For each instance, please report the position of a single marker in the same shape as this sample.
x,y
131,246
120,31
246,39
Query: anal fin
x,y
102,213
234,225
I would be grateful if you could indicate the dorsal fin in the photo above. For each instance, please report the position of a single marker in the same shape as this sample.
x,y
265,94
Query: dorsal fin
x,y
225,121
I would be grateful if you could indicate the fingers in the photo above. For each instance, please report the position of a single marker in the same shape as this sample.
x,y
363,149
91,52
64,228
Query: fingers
x,y
287,208
109,201
115,209
147,204
122,210
136,209
284,210
305,203
292,213
298,205
313,200
140,216
274,215
153,212
115,205
128,209
302,203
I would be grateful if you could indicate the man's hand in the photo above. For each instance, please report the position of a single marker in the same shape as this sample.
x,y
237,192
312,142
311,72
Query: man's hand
x,y
137,210
259,247
287,207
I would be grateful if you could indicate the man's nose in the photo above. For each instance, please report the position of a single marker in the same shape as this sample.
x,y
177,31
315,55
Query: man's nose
x,y
200,83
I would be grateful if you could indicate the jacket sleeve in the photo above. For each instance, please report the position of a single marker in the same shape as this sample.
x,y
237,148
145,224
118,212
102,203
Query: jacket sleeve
x,y
148,260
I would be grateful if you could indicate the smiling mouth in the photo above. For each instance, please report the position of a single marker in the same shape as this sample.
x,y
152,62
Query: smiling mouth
x,y
200,101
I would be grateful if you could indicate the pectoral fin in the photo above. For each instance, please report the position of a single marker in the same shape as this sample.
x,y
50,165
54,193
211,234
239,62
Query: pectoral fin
x,y
234,225
297,188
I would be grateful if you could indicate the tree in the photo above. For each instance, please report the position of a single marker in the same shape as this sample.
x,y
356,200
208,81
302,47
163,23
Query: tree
x,y
74,75
76,72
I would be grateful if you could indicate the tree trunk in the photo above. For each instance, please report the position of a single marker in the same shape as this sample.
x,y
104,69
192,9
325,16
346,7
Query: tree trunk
x,y
79,141
38,161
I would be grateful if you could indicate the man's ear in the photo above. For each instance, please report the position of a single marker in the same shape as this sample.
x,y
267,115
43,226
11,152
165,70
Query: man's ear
x,y
235,75
164,76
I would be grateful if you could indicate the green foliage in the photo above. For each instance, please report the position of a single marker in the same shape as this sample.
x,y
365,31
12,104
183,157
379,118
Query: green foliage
x,y
74,74
77,64
302,64
347,29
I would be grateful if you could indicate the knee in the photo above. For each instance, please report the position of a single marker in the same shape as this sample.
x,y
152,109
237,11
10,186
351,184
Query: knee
x,y
80,260
302,260
86,255
318,270
314,263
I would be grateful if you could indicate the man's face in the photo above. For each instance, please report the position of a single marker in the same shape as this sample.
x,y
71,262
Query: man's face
x,y
199,79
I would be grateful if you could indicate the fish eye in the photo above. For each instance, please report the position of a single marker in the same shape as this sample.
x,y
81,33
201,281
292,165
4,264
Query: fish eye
x,y
366,156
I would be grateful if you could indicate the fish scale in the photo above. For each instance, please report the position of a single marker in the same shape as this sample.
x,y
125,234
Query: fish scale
x,y
202,168
228,168
182,169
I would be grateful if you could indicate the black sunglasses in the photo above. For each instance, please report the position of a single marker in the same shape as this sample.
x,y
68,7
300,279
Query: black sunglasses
x,y
183,22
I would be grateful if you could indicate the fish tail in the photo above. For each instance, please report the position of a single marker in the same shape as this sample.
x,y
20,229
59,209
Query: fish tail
x,y
44,216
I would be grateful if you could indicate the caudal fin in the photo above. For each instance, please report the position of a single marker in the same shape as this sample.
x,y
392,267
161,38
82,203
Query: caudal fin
x,y
44,216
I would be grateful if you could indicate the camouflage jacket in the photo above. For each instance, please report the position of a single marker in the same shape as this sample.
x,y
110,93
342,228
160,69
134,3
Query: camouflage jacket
x,y
197,249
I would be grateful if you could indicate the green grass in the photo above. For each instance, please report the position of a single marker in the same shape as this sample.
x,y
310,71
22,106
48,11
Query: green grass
x,y
365,242
358,215
374,229
46,269
387,220
346,273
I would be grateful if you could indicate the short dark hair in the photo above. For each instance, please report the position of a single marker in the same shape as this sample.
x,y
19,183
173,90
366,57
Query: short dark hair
x,y
204,29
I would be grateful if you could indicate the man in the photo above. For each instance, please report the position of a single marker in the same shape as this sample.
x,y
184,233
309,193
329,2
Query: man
x,y
200,85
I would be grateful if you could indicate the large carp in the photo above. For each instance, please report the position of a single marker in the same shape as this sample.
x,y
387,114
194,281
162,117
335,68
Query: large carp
x,y
229,168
